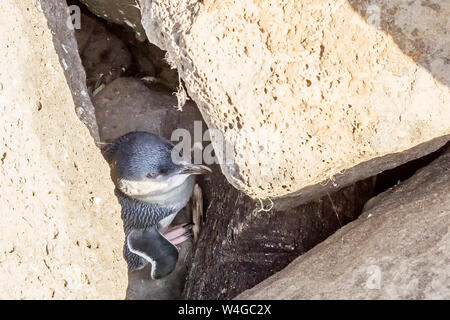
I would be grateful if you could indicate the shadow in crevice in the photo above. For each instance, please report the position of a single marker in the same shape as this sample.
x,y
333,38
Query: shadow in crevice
x,y
390,178
418,27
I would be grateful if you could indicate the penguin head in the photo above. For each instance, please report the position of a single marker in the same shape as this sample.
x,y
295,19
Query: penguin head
x,y
142,165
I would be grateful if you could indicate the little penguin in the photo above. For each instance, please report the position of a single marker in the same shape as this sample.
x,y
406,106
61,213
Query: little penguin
x,y
152,188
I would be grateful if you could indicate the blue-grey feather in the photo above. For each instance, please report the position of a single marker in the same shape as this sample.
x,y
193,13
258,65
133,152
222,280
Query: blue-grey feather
x,y
139,215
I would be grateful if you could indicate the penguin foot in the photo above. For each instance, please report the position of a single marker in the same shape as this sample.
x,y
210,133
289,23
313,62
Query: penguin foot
x,y
179,233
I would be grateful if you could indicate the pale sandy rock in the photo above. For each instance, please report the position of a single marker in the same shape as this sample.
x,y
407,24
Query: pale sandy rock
x,y
61,230
398,249
311,91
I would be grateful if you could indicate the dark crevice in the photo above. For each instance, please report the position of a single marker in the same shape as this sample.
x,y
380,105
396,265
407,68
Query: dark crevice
x,y
390,178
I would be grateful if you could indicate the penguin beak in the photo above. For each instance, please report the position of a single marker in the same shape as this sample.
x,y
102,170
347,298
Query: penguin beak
x,y
195,169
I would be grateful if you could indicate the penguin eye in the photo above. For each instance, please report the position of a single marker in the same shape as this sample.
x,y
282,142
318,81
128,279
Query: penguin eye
x,y
163,170
160,172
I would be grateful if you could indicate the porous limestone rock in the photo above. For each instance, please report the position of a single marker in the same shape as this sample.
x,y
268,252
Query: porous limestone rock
x,y
61,230
398,249
309,91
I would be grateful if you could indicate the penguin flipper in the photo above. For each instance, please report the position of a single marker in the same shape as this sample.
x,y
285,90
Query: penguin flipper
x,y
153,247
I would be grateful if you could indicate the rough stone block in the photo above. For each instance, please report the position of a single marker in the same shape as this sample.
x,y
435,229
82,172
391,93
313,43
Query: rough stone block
x,y
61,230
398,249
312,91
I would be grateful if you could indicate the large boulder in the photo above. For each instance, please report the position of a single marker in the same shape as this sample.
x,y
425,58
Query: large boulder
x,y
61,230
304,92
398,249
